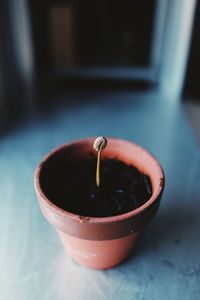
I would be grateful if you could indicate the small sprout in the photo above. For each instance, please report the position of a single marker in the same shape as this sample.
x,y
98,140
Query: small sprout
x,y
99,144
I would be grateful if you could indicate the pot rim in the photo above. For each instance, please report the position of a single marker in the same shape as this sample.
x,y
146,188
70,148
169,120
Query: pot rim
x,y
76,217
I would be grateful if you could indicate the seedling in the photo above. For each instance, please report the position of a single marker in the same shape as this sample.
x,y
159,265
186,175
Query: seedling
x,y
98,145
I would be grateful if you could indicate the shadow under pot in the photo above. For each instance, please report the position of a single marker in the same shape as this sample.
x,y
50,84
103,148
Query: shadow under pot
x,y
97,237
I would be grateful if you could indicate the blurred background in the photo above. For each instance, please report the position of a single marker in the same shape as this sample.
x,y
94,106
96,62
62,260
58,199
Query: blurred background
x,y
59,46
71,69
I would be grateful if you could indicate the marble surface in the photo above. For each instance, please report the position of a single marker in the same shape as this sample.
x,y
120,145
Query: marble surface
x,y
166,261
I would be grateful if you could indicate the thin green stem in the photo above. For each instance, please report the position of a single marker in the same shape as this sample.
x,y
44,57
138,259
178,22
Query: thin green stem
x,y
98,169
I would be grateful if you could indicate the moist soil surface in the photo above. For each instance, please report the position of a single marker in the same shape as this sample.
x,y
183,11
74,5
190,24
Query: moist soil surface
x,y
73,188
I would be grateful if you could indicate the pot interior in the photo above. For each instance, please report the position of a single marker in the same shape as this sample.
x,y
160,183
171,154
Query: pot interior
x,y
62,164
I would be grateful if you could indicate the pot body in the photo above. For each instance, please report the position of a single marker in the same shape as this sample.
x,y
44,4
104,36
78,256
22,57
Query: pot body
x,y
98,254
99,243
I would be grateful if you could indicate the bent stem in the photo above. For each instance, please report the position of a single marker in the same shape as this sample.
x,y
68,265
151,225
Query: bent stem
x,y
98,169
98,145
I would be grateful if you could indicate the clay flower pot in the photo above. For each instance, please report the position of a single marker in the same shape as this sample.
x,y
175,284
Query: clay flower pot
x,y
101,242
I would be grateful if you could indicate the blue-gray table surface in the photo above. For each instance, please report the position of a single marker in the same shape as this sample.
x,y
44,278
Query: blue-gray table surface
x,y
166,260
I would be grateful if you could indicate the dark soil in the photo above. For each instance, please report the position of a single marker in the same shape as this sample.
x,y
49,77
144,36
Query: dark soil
x,y
73,188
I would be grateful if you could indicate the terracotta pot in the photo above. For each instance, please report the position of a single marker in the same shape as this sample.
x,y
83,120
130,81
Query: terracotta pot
x,y
104,242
